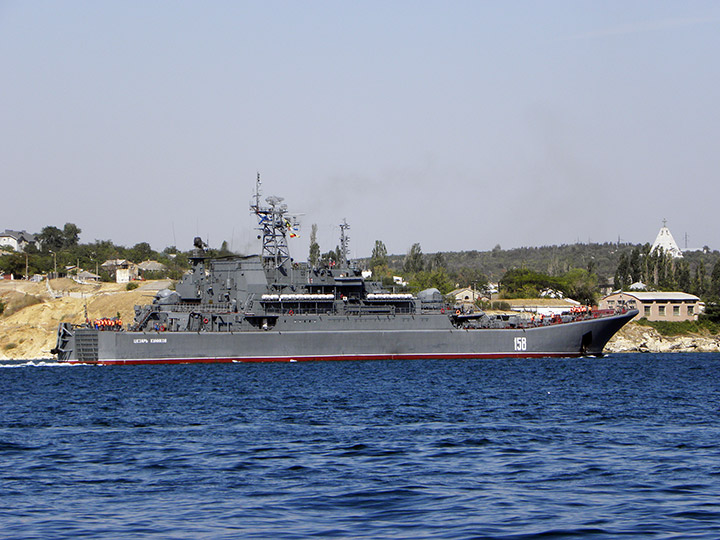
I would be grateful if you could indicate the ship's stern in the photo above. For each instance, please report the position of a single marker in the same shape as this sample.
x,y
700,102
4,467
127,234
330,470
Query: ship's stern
x,y
64,344
76,344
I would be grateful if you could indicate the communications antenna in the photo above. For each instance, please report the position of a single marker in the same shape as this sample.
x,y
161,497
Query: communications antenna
x,y
274,225
344,246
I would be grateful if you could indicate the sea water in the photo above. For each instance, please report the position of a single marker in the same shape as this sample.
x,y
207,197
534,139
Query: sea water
x,y
626,445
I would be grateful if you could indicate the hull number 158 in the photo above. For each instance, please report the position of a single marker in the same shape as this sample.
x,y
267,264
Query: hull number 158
x,y
520,344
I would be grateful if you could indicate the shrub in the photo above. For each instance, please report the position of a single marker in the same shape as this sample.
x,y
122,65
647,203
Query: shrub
x,y
676,328
494,306
16,304
131,286
10,346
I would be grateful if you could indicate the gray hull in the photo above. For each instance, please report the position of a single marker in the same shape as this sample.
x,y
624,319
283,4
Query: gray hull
x,y
340,338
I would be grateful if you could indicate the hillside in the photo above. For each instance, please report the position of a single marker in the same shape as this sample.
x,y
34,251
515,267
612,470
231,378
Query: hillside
x,y
603,259
33,312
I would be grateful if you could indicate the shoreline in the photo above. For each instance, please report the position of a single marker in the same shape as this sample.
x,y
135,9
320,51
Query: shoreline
x,y
636,338
29,333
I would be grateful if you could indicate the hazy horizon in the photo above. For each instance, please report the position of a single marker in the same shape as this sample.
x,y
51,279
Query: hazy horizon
x,y
457,125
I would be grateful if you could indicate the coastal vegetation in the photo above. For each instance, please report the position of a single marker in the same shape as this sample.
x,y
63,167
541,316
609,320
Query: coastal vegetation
x,y
579,271
703,326
60,249
697,272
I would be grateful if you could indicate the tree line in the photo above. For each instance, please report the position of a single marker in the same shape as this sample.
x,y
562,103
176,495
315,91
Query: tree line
x,y
577,270
660,270
60,248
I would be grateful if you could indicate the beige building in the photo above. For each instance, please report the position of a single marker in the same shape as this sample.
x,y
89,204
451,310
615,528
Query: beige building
x,y
467,295
656,306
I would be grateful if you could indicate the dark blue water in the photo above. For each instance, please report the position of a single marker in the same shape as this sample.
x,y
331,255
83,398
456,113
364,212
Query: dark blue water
x,y
627,445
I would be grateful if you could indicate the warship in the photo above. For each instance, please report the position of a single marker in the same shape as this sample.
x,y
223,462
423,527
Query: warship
x,y
269,308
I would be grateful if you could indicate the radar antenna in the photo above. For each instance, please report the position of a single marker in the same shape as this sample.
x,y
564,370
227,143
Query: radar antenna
x,y
274,225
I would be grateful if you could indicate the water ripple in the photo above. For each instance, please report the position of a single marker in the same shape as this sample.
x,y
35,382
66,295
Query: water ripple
x,y
546,448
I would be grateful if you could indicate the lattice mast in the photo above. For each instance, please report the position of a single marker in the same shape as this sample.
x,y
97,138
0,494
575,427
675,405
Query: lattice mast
x,y
273,224
344,244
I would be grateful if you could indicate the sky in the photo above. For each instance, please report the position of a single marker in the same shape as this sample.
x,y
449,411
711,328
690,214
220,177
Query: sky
x,y
457,125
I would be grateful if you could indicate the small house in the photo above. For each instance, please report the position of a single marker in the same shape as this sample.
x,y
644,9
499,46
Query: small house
x,y
123,270
86,276
467,295
152,266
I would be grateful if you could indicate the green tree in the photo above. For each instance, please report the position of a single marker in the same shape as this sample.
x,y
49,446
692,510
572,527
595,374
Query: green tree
x,y
441,281
437,261
682,276
140,252
314,254
71,235
715,281
379,255
526,283
414,260
635,265
437,279
51,239
580,285
623,277
13,263
699,283
466,277
331,257
712,312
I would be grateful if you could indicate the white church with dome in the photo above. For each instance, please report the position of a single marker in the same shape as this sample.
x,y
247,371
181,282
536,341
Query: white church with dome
x,y
666,241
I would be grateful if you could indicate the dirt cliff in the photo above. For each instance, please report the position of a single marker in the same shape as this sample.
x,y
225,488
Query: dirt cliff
x,y
34,310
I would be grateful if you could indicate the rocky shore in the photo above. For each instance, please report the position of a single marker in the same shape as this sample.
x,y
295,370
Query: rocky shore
x,y
637,338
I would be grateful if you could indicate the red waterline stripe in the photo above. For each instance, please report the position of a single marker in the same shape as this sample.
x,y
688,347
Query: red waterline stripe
x,y
332,358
